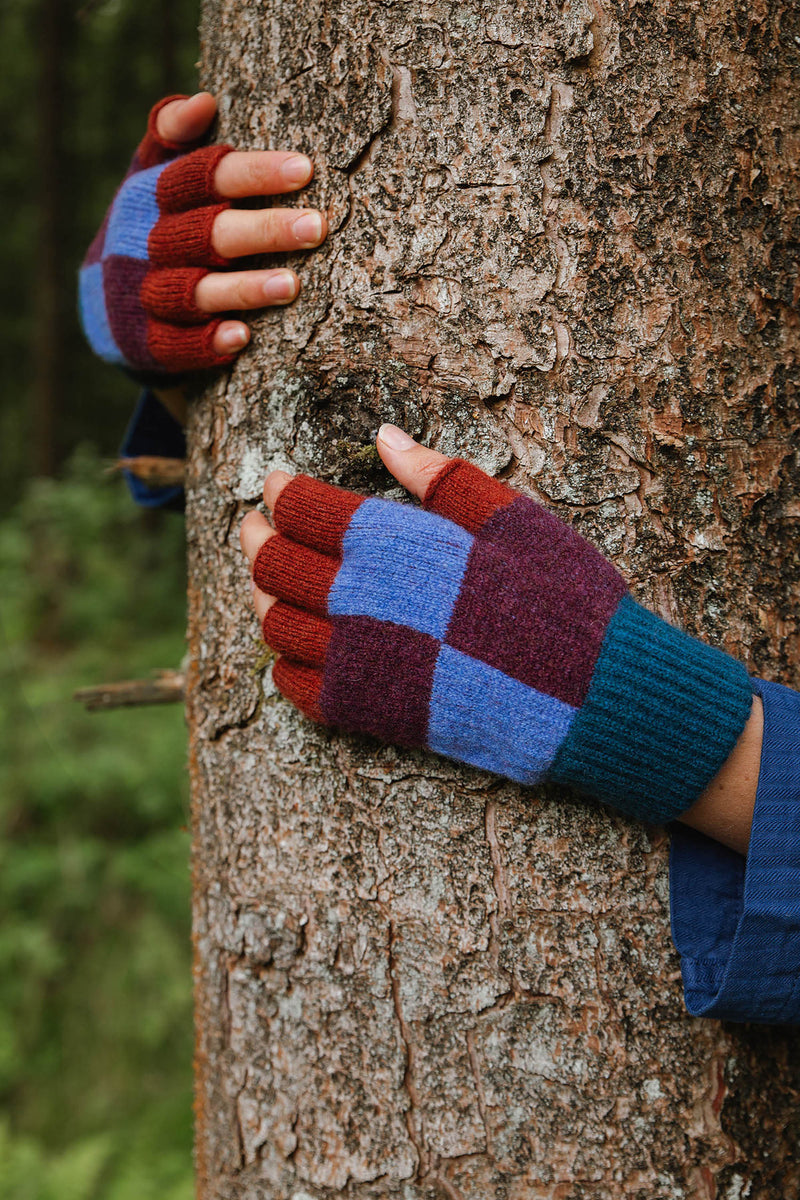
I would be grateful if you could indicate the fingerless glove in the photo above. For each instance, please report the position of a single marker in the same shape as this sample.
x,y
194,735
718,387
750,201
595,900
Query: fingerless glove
x,y
138,279
487,630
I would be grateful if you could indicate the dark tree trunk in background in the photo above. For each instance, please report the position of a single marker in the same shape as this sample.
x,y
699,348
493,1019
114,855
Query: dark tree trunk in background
x,y
167,46
561,243
51,31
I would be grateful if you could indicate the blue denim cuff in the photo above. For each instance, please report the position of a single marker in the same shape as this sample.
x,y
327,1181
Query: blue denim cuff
x,y
153,430
736,921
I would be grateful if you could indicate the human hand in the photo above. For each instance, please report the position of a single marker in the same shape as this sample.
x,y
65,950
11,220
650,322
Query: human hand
x,y
148,288
487,630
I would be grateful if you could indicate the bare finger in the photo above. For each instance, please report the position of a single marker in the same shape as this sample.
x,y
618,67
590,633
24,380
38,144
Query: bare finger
x,y
220,292
411,464
261,173
274,484
186,120
239,231
230,337
262,603
253,532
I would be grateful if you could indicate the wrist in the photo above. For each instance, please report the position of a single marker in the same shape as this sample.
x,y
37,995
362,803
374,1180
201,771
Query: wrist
x,y
725,809
662,715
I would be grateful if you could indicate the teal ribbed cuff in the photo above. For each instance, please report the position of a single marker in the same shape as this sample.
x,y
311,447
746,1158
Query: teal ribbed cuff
x,y
662,715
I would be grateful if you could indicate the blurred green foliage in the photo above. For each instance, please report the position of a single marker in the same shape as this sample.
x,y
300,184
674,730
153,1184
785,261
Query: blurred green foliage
x,y
95,951
95,970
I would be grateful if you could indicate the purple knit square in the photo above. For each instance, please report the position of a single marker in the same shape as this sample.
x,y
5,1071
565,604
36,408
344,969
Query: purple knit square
x,y
378,679
95,251
122,282
536,601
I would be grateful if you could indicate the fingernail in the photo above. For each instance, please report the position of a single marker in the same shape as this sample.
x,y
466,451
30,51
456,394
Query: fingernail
x,y
308,229
233,338
394,438
281,286
297,170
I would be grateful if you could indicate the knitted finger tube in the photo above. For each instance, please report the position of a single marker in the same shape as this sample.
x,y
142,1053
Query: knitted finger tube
x,y
137,282
485,629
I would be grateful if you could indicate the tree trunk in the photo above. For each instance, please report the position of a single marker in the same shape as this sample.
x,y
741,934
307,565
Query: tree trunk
x,y
561,244
167,45
54,30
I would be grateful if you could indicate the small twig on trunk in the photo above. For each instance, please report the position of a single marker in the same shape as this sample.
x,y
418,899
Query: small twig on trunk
x,y
159,472
166,687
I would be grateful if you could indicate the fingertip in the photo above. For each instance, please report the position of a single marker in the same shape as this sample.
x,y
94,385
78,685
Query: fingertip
x,y
395,438
413,465
297,171
310,228
261,603
188,119
274,484
281,287
230,337
254,530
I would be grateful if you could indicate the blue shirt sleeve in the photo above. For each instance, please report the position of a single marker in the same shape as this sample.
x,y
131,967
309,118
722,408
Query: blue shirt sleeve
x,y
153,430
736,921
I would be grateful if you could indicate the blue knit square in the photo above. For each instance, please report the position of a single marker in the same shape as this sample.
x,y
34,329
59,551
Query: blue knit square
x,y
133,214
400,564
94,316
483,717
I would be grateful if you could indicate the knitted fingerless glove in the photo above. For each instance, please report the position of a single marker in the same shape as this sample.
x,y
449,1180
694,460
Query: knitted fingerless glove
x,y
487,630
137,281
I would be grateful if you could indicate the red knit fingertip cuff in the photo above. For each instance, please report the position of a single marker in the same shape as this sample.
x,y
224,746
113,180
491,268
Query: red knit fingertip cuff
x,y
302,686
308,506
184,239
189,182
153,149
294,573
185,347
289,630
466,495
169,294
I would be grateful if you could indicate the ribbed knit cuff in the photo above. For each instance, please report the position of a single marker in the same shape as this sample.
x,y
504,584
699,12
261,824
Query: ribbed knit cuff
x,y
662,715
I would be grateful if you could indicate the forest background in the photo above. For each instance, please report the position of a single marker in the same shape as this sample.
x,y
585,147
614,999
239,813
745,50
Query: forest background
x,y
95,961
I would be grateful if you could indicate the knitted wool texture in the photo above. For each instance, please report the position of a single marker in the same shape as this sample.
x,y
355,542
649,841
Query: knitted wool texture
x,y
487,630
137,282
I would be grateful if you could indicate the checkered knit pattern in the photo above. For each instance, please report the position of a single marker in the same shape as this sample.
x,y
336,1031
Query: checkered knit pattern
x,y
487,630
137,282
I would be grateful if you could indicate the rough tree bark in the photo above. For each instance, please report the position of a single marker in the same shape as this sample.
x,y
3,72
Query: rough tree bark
x,y
561,242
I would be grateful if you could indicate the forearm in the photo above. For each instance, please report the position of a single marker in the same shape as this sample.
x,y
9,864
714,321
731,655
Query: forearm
x,y
725,809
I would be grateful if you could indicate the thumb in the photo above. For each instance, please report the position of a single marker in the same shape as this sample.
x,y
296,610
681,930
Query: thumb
x,y
411,464
186,120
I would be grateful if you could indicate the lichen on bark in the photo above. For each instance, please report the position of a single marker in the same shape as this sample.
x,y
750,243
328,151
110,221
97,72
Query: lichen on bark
x,y
563,243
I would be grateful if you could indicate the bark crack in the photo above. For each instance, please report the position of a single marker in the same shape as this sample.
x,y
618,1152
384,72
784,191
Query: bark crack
x,y
243,722
227,1029
444,1185
476,1074
500,888
560,102
314,329
364,156
414,1133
